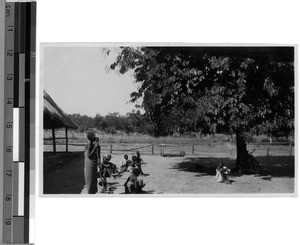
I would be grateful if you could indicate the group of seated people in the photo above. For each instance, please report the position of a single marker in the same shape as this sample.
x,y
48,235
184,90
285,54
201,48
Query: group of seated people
x,y
133,166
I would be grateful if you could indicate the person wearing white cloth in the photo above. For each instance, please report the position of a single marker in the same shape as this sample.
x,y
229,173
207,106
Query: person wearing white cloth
x,y
222,174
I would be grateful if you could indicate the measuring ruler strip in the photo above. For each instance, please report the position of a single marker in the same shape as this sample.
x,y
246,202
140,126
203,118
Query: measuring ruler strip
x,y
20,226
29,50
8,122
31,146
19,121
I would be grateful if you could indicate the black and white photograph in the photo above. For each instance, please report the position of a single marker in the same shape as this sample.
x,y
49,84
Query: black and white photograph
x,y
168,119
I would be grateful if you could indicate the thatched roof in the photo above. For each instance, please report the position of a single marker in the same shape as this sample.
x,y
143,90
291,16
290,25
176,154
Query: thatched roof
x,y
54,117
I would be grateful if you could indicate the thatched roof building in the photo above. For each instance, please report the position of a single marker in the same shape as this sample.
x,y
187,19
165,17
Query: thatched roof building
x,y
54,117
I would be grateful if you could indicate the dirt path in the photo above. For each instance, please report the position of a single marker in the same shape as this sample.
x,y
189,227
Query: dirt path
x,y
179,175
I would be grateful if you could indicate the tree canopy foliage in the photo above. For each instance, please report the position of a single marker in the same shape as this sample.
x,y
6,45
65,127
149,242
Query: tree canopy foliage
x,y
184,91
187,89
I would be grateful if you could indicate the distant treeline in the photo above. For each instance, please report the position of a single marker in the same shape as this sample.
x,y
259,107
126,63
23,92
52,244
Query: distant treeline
x,y
136,122
133,122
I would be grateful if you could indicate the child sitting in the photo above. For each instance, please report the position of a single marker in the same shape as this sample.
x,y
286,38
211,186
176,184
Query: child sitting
x,y
132,164
139,162
124,161
124,166
104,172
222,174
136,185
113,167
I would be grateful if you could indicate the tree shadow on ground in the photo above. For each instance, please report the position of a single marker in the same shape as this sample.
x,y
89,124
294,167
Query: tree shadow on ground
x,y
276,166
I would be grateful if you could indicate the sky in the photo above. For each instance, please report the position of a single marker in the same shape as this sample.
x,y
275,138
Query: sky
x,y
77,79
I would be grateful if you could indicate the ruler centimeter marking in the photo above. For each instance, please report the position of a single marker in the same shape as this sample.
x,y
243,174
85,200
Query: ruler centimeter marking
x,y
8,122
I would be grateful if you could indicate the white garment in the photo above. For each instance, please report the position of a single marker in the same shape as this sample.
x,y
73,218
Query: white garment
x,y
219,177
122,162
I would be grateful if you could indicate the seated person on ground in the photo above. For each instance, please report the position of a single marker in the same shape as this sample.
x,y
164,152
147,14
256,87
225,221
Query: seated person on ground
x,y
124,166
106,167
139,162
222,173
139,158
135,185
104,171
132,164
124,161
113,167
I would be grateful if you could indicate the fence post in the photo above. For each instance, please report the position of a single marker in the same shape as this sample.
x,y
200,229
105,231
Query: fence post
x,y
111,149
152,149
193,149
268,149
291,149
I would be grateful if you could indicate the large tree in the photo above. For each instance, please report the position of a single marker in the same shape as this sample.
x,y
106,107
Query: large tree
x,y
241,91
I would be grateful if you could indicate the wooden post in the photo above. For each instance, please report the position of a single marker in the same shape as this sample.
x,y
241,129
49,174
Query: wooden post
x,y
111,149
291,149
53,140
67,140
193,149
268,149
152,149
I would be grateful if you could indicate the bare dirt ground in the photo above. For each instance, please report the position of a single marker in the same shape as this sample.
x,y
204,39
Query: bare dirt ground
x,y
63,174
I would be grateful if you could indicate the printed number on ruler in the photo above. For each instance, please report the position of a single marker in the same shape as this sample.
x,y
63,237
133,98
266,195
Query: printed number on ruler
x,y
7,7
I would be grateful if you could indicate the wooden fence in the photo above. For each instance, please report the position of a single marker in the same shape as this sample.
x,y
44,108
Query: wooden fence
x,y
212,149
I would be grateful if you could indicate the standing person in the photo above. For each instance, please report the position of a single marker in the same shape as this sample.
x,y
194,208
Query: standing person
x,y
98,150
139,162
90,164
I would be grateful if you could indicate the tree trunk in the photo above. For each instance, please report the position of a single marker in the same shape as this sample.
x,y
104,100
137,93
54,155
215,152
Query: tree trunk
x,y
242,165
